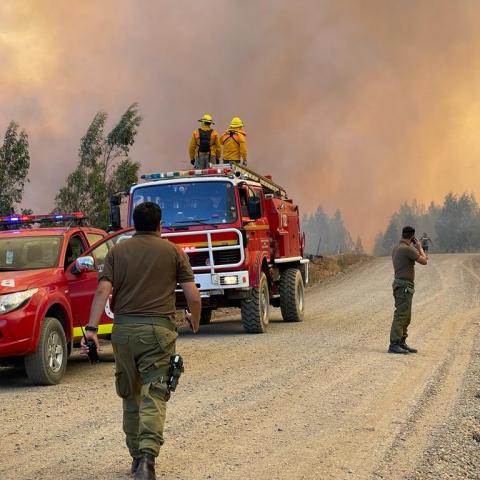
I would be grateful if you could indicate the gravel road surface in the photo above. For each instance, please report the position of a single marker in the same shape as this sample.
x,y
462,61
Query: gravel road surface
x,y
317,400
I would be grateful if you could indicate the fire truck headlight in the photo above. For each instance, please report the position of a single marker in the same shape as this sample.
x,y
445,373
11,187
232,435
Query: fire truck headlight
x,y
11,301
230,280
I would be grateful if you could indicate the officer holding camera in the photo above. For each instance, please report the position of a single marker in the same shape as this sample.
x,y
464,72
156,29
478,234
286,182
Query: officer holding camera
x,y
143,272
404,255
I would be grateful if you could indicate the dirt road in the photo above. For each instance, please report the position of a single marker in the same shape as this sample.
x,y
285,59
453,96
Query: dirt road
x,y
317,400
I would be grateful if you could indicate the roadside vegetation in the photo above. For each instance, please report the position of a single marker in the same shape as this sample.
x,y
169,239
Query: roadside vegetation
x,y
104,168
14,166
322,268
454,226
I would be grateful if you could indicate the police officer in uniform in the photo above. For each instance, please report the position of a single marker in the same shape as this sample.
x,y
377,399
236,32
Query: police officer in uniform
x,y
143,272
404,255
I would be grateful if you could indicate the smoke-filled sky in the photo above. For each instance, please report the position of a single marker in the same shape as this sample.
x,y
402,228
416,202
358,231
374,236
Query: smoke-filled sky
x,y
359,105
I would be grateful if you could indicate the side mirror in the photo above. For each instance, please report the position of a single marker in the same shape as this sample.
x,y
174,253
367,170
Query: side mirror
x,y
115,218
84,264
254,208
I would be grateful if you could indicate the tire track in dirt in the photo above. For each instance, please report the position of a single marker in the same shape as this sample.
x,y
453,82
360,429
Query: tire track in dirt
x,y
316,400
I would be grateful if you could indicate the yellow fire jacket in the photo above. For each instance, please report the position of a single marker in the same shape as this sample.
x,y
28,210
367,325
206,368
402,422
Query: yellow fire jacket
x,y
195,142
234,144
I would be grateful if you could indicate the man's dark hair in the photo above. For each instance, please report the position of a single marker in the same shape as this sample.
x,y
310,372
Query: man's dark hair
x,y
408,232
147,217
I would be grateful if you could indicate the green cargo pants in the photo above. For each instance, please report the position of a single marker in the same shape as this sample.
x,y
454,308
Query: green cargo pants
x,y
142,347
403,291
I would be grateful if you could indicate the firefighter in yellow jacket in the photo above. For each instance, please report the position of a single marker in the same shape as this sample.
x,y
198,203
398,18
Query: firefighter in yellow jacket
x,y
204,145
234,142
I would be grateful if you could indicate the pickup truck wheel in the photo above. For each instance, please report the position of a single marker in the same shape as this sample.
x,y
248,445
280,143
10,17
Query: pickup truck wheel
x,y
48,364
292,295
205,316
256,308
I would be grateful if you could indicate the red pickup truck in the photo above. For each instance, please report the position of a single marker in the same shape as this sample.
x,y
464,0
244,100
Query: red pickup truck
x,y
42,295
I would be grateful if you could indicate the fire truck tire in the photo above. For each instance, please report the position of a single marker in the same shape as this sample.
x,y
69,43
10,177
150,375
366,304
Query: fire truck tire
x,y
292,291
206,316
48,364
256,308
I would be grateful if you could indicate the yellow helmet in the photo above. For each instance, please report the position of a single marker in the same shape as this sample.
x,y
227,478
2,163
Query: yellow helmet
x,y
236,123
207,119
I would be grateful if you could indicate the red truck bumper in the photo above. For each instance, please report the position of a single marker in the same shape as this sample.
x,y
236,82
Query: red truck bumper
x,y
16,332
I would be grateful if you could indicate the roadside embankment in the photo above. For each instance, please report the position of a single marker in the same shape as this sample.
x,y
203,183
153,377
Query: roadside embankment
x,y
322,268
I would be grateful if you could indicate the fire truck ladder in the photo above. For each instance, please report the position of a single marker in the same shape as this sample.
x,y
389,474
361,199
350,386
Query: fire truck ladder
x,y
267,183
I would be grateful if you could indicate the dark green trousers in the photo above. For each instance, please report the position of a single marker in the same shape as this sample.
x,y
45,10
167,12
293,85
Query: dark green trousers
x,y
143,347
403,291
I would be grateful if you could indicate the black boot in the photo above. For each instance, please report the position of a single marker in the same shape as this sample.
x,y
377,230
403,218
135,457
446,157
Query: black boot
x,y
146,468
407,348
395,348
135,464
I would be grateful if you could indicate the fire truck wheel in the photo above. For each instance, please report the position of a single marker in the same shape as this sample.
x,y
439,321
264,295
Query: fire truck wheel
x,y
48,364
256,309
205,316
292,291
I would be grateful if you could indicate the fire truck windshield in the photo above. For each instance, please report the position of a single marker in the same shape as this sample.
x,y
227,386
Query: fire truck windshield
x,y
191,203
29,253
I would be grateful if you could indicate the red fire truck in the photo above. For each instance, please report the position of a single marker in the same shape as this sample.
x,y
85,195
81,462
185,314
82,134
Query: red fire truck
x,y
241,233
44,298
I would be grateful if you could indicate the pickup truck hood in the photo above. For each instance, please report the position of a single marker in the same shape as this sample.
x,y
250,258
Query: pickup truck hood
x,y
17,281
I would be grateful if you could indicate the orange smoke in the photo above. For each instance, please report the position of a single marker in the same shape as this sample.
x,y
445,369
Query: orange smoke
x,y
355,105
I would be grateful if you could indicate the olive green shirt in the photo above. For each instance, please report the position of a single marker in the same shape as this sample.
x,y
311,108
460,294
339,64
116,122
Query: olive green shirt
x,y
144,271
404,257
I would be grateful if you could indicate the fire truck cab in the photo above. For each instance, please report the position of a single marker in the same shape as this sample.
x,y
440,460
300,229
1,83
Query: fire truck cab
x,y
241,233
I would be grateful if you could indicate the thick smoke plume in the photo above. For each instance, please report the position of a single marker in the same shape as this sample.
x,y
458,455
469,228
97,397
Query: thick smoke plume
x,y
356,105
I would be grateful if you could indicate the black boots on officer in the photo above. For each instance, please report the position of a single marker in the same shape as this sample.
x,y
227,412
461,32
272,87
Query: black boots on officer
x,y
401,347
144,467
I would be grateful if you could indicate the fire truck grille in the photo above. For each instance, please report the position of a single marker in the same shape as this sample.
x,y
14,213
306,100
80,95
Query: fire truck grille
x,y
221,257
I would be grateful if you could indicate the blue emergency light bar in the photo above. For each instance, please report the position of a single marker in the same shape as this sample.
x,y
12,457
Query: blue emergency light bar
x,y
51,217
187,173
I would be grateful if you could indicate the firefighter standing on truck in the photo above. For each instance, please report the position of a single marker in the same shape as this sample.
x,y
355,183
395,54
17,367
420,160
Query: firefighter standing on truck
x,y
234,143
143,272
204,145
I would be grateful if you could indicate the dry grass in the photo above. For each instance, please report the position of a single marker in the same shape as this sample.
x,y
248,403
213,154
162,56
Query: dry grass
x,y
326,267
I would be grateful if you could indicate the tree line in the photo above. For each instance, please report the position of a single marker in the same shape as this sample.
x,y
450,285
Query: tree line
x,y
326,235
104,168
453,226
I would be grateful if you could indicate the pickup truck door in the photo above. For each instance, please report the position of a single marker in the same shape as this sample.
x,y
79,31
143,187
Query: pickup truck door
x,y
82,286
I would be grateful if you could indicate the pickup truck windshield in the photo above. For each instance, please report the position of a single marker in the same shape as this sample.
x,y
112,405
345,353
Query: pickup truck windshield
x,y
29,253
191,203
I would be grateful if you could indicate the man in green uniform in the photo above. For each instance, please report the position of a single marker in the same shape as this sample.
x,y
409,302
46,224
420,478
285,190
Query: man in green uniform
x,y
144,272
404,255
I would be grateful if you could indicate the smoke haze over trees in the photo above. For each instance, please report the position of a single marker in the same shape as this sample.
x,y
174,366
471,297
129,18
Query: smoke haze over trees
x,y
336,95
14,165
453,226
326,235
104,168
